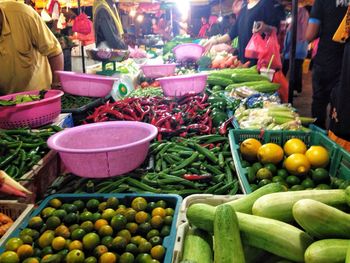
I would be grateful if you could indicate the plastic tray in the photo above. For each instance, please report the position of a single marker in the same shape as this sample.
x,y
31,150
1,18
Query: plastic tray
x,y
17,211
182,223
81,113
279,137
168,241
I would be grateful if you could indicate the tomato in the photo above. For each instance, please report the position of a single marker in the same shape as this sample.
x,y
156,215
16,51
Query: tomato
x,y
155,84
144,84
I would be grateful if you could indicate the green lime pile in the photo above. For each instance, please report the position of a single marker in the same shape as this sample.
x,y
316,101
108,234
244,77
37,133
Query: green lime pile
x,y
91,231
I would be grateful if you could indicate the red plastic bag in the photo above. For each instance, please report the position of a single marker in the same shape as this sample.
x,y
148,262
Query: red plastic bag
x,y
255,45
82,24
271,49
87,39
283,91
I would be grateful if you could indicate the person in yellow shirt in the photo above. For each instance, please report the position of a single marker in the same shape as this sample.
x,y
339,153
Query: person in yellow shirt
x,y
29,52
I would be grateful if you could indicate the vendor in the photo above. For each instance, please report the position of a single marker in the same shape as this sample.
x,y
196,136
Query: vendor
x,y
29,52
266,13
108,27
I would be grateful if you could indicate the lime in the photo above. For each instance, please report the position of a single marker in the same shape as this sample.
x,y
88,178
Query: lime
x,y
119,243
152,233
297,187
90,260
118,222
168,220
78,234
132,248
90,241
87,226
46,251
292,180
144,228
308,183
320,175
58,243
244,164
107,241
344,185
282,172
71,218
75,256
271,167
127,257
145,247
264,182
130,214
76,244
169,211
165,231
25,251
257,166
55,203
26,239
150,206
102,206
158,252
47,212
9,257
85,216
336,182
92,205
132,227
52,222
157,221
277,179
79,204
108,214
13,244
156,240
105,230
73,227
60,213
70,208
108,257
95,216
36,222
263,173
99,250
143,258
112,202
31,260
139,204
46,238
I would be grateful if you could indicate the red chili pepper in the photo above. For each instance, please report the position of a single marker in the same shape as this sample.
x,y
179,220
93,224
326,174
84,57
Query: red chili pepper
x,y
201,127
145,112
159,137
224,125
131,112
165,130
162,120
204,98
196,177
183,134
128,118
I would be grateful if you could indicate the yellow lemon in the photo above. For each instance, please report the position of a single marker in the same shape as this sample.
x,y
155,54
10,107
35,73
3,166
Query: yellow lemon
x,y
294,146
297,164
318,156
249,149
270,153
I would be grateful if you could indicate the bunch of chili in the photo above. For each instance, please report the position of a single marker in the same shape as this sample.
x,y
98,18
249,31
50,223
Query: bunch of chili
x,y
21,149
172,117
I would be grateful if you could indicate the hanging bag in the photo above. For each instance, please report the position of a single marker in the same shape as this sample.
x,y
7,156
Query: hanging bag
x,y
270,50
255,46
82,24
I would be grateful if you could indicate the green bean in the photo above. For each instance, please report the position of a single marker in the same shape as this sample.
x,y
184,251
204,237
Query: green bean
x,y
208,154
186,162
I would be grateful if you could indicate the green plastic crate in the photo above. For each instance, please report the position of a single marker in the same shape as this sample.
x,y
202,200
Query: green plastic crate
x,y
340,160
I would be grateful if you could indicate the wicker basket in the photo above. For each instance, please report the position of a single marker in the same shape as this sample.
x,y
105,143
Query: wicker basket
x,y
17,211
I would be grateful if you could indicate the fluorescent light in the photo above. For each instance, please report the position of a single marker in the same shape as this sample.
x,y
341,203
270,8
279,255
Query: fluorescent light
x,y
289,20
220,19
132,13
139,18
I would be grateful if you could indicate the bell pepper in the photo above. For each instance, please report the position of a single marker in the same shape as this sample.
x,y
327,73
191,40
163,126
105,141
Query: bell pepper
x,y
218,117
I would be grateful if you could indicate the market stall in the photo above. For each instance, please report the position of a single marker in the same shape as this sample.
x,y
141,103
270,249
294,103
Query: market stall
x,y
165,152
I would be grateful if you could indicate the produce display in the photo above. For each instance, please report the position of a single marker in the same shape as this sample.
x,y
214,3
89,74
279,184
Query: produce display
x,y
69,101
293,165
256,230
21,149
270,116
23,98
172,117
95,230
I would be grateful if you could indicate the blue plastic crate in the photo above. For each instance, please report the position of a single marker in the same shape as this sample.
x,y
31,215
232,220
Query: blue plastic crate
x,y
173,200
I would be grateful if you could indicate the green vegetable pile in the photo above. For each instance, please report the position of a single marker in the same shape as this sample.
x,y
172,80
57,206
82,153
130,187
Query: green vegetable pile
x,y
73,102
21,149
19,99
146,92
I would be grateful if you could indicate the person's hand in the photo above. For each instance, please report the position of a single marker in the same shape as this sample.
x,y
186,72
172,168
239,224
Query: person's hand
x,y
209,44
261,27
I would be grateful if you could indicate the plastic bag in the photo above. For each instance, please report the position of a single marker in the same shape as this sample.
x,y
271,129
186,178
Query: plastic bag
x,y
271,49
283,91
82,24
87,39
255,45
61,23
45,15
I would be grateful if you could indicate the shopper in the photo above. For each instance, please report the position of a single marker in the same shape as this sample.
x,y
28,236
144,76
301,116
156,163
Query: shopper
x,y
108,27
214,26
266,13
29,52
203,31
324,20
301,49
340,121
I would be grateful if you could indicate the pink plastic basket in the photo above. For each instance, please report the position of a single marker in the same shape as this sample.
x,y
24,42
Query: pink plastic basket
x,y
89,85
104,149
189,51
31,114
184,84
158,71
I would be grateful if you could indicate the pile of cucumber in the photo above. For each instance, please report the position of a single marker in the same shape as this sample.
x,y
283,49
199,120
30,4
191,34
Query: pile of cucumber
x,y
271,225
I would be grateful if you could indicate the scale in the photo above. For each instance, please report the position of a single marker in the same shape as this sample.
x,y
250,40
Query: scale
x,y
121,87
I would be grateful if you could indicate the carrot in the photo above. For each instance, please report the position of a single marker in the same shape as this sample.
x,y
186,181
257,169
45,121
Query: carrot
x,y
4,228
4,219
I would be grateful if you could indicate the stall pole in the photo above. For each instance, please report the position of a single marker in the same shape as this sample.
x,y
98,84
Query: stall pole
x,y
81,47
292,77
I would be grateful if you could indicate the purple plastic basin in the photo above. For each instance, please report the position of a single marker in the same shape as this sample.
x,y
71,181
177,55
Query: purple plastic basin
x,y
181,85
158,71
89,85
189,51
104,149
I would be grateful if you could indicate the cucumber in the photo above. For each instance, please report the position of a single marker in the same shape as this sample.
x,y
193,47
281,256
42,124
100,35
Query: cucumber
x,y
246,84
202,215
274,236
246,77
279,205
253,254
347,259
227,241
327,251
320,220
266,87
220,81
197,247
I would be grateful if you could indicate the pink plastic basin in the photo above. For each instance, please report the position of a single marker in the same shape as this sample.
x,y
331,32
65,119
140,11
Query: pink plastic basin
x,y
89,85
181,85
103,149
31,114
189,51
158,71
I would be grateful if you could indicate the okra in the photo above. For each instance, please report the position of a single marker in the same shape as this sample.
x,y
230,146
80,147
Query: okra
x,y
207,153
142,186
212,169
186,162
228,173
